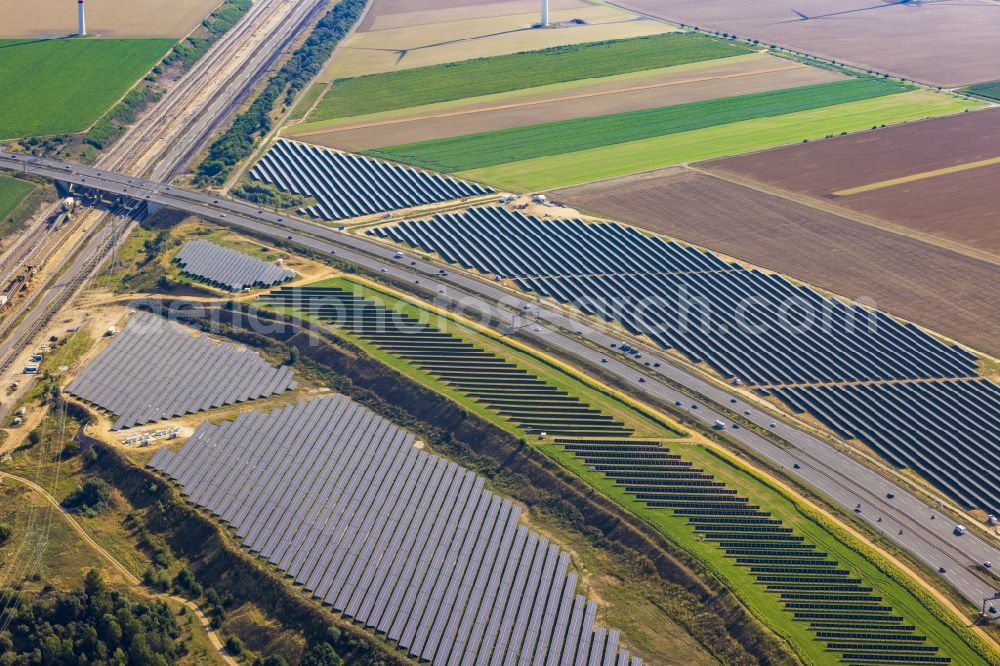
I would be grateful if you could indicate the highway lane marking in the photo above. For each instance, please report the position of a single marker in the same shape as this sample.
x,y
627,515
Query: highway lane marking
x,y
912,178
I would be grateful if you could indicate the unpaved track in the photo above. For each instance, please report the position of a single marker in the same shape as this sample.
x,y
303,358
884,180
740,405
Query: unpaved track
x,y
213,637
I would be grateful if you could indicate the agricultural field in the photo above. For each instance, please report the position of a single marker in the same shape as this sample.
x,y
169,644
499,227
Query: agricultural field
x,y
63,86
989,90
947,44
106,18
476,151
680,84
940,289
619,159
933,178
401,34
484,76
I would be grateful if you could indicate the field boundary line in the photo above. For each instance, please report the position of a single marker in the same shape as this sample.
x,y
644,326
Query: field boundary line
x,y
567,98
923,175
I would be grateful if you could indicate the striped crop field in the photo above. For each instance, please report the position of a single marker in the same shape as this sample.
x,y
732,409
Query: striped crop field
x,y
483,76
619,159
486,149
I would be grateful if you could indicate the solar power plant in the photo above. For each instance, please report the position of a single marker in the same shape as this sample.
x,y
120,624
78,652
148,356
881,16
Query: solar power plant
x,y
402,540
157,369
745,324
947,431
346,185
514,393
842,610
222,267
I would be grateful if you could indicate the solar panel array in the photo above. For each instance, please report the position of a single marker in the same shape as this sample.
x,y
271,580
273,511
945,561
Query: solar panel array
x,y
227,268
402,540
745,324
842,609
157,369
347,185
514,393
947,431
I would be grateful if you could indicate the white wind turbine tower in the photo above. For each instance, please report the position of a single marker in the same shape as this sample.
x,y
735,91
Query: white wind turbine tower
x,y
545,14
81,21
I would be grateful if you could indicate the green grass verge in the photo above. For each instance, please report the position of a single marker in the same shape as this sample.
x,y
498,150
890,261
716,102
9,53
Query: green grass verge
x,y
60,86
644,427
474,151
483,76
13,193
735,138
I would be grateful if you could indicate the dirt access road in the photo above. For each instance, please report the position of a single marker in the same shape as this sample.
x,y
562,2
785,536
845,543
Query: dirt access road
x,y
213,637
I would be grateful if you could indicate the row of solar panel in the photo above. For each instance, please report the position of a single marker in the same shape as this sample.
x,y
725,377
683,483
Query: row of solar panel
x,y
401,540
346,185
157,369
519,396
947,431
748,325
481,239
807,582
227,268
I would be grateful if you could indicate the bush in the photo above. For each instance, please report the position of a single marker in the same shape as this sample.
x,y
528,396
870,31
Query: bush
x,y
92,498
234,646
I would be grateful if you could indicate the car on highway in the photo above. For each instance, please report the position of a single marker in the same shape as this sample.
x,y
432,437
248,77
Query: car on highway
x,y
678,403
987,564
960,530
772,424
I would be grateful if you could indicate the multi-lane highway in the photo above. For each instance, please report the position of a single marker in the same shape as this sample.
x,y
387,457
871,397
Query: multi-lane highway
x,y
904,518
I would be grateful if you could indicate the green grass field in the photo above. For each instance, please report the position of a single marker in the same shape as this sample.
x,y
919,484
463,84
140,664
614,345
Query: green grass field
x,y
484,76
620,159
989,90
474,151
762,604
12,192
60,86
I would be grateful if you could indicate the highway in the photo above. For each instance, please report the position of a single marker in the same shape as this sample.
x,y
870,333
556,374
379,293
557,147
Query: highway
x,y
837,475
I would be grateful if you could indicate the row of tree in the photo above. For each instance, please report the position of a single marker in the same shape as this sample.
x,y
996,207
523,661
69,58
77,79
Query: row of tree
x,y
305,63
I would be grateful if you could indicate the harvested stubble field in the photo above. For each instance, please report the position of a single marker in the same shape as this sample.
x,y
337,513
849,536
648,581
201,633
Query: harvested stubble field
x,y
401,34
475,151
483,76
936,177
943,290
107,18
947,44
617,94
64,85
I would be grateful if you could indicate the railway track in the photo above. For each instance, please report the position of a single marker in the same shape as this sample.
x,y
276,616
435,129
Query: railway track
x,y
163,140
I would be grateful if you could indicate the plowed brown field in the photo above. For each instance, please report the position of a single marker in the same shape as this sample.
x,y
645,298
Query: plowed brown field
x,y
941,289
920,176
946,44
750,74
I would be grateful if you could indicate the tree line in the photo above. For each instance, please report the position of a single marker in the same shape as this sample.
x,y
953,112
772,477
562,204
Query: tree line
x,y
238,142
